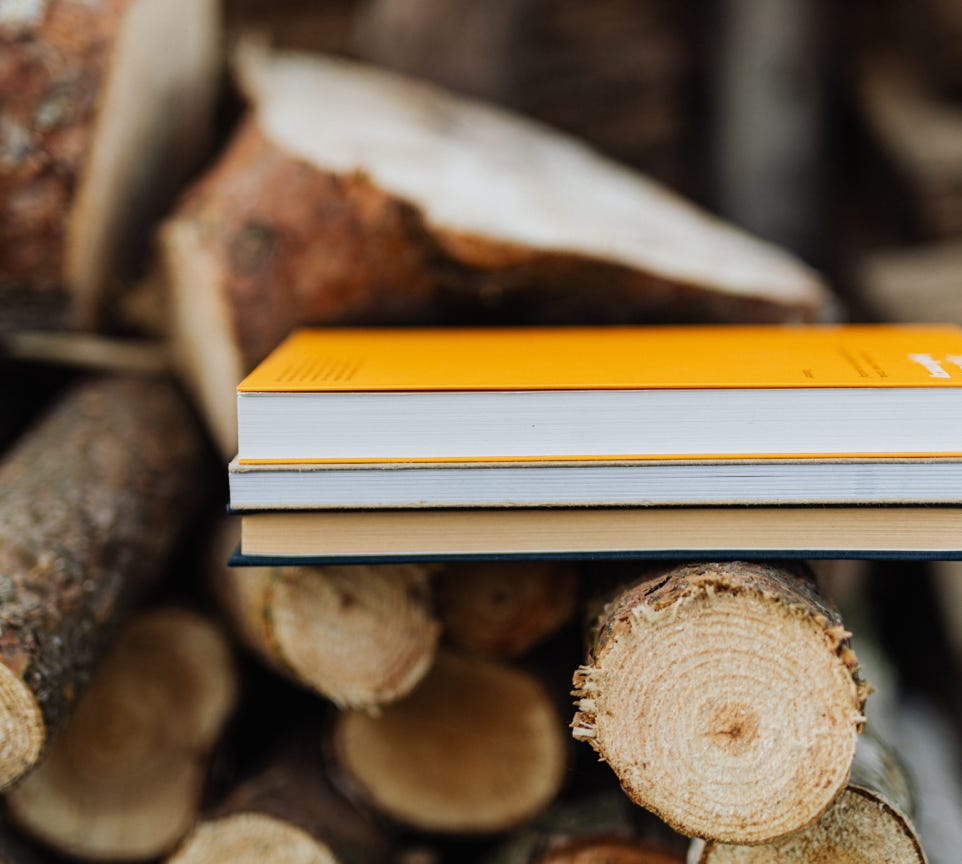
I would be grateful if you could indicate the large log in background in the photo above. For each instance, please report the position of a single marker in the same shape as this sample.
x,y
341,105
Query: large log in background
x,y
92,502
314,216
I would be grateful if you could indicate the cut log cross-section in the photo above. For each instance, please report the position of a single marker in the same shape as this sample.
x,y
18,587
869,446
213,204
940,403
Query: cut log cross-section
x,y
869,823
353,195
289,809
501,609
476,748
359,635
725,698
124,780
91,503
93,140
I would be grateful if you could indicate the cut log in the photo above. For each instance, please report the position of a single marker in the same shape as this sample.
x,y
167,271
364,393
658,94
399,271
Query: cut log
x,y
124,780
502,609
106,107
291,805
355,196
476,748
917,283
91,502
359,635
869,823
921,135
251,838
725,698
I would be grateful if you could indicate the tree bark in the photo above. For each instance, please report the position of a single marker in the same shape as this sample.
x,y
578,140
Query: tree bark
x,y
91,141
91,502
292,800
294,227
725,698
359,635
476,748
124,780
869,822
501,609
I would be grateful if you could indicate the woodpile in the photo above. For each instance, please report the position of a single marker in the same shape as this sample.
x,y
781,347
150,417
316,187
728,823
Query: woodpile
x,y
156,704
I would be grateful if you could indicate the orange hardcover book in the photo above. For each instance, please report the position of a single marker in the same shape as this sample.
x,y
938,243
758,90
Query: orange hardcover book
x,y
358,395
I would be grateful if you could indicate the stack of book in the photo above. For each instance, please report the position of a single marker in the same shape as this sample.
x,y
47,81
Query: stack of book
x,y
760,441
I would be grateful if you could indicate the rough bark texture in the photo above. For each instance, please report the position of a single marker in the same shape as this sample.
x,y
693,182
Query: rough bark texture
x,y
93,141
359,635
53,56
725,697
869,823
124,779
91,502
295,793
501,608
476,748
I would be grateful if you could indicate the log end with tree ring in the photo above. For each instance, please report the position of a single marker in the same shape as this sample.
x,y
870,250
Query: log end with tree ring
x,y
124,778
360,635
725,699
22,728
251,838
501,609
859,828
478,747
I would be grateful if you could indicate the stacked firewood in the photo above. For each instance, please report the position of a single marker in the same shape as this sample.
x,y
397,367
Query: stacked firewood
x,y
148,692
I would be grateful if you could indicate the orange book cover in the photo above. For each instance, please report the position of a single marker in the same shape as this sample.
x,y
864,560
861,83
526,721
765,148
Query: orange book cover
x,y
611,358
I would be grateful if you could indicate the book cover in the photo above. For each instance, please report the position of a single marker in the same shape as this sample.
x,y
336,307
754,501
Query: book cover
x,y
601,358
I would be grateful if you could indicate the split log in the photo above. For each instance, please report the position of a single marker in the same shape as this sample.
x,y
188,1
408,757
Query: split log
x,y
360,635
912,284
92,500
869,822
124,779
351,195
476,748
921,135
288,807
725,698
502,609
94,139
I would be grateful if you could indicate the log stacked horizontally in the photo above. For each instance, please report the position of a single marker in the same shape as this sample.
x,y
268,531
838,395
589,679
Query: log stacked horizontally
x,y
92,503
